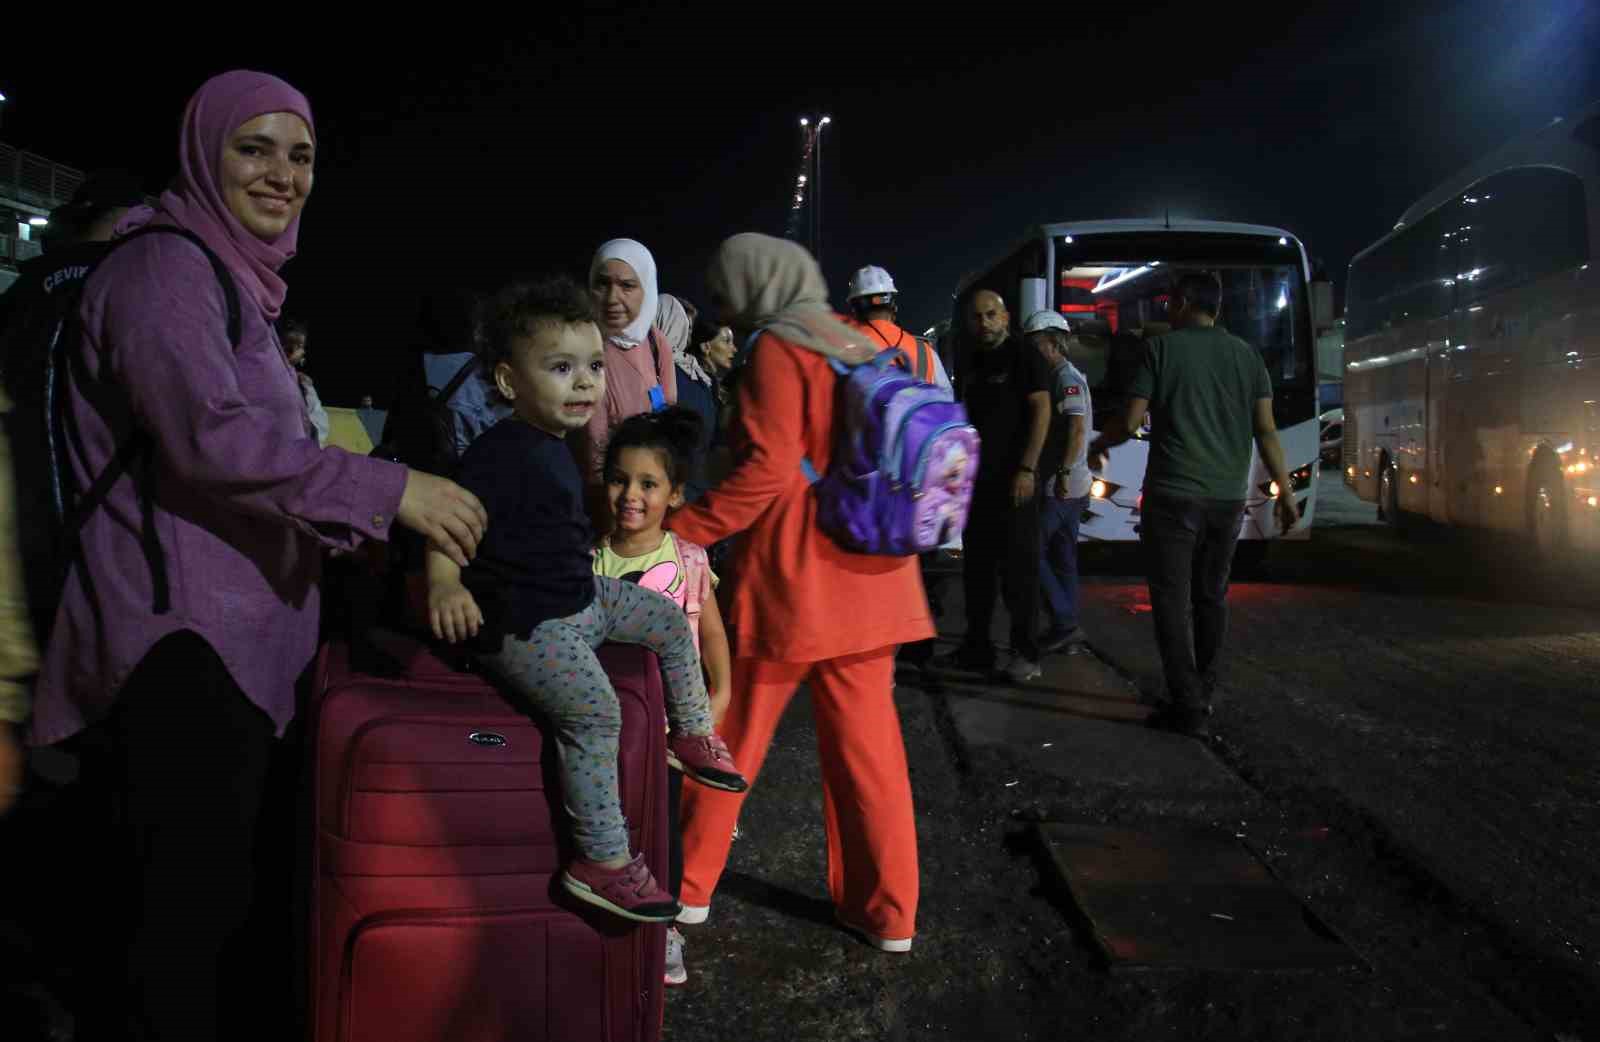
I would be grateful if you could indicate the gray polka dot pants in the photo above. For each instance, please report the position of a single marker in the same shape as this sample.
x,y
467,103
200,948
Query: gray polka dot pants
x,y
555,676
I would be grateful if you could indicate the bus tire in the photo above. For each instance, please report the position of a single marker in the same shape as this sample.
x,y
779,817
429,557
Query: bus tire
x,y
1389,511
1545,508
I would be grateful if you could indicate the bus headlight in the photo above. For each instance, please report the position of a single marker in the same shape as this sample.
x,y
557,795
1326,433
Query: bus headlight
x,y
1098,489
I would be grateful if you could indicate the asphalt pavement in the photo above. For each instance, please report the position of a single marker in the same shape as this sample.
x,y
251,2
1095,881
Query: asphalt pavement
x,y
1406,742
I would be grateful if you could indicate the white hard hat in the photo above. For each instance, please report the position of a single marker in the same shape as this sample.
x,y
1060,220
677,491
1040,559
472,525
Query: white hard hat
x,y
870,282
1045,319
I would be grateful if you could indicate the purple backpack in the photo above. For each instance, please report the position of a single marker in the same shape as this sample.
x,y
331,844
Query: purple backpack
x,y
904,462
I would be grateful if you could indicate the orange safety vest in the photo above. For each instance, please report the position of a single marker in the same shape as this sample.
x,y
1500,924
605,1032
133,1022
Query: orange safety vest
x,y
916,354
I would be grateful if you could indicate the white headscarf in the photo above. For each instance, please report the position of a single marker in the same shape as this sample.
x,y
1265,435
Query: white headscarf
x,y
674,324
638,258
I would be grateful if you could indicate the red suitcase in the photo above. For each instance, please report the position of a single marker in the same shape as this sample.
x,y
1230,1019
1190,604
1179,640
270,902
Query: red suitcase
x,y
437,913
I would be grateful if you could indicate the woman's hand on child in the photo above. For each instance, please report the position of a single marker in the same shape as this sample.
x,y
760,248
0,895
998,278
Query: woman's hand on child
x,y
449,515
453,613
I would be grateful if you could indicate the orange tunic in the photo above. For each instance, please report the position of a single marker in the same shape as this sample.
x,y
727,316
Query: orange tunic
x,y
797,596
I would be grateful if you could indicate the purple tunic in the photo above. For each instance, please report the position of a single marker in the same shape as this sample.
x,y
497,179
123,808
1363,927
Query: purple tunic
x,y
245,501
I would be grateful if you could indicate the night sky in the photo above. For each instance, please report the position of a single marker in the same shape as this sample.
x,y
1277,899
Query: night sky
x,y
463,155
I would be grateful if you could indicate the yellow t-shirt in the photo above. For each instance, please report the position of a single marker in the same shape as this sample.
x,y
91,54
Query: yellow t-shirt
x,y
660,570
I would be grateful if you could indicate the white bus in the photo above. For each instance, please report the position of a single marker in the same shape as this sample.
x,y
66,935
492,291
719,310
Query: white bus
x,y
1110,280
1472,351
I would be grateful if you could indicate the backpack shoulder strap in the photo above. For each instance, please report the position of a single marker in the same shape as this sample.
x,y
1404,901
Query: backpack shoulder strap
x,y
695,566
138,446
448,390
924,360
230,292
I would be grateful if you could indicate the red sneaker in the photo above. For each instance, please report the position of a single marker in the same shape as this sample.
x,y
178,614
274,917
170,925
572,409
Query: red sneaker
x,y
705,758
629,891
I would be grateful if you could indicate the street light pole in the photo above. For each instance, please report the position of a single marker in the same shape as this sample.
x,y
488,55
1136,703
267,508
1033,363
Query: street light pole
x,y
816,199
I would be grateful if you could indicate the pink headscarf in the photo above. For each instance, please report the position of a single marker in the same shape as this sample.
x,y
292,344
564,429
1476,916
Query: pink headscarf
x,y
194,201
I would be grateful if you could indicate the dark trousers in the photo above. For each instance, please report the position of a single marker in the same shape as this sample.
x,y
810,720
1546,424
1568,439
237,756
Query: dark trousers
x,y
1001,539
175,782
1188,545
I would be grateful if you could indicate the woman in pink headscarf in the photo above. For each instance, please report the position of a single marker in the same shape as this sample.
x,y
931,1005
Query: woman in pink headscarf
x,y
193,606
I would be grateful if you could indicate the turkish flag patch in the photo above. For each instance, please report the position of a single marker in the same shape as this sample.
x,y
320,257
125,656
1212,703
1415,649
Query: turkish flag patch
x,y
1072,390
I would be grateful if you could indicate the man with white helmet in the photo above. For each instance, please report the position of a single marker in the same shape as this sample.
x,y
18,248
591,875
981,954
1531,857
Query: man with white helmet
x,y
874,307
1064,465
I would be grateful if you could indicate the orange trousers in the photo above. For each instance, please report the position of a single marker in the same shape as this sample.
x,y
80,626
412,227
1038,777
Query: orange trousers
x,y
866,792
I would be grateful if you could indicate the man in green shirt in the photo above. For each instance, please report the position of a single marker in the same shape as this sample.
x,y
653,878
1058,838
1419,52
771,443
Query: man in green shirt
x,y
1208,396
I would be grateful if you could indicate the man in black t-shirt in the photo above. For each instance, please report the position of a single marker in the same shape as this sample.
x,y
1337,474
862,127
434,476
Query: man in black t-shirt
x,y
1006,389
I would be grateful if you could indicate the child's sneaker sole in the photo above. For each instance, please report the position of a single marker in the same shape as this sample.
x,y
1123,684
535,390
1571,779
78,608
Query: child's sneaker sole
x,y
724,782
644,914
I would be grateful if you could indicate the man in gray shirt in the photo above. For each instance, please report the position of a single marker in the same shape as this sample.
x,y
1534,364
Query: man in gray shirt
x,y
1064,466
1209,397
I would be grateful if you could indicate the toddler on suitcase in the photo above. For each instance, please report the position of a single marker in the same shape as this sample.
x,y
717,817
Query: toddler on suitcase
x,y
534,608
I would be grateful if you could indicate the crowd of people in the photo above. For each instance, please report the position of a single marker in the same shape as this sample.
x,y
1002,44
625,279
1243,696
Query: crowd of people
x,y
628,467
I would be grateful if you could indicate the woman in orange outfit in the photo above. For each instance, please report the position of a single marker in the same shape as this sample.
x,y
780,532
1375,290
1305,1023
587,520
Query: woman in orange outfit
x,y
802,609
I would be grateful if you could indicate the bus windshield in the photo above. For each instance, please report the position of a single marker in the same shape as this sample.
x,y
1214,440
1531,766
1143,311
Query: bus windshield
x,y
1115,300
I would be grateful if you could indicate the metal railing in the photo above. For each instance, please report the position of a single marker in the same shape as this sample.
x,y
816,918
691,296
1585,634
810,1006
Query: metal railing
x,y
36,180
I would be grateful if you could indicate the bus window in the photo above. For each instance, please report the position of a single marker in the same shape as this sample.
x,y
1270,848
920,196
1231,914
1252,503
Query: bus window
x,y
1517,226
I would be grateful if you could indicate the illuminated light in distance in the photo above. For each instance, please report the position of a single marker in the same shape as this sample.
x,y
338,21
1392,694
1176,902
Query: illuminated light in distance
x,y
1283,300
38,222
1594,501
1350,471
1564,449
1098,489
1282,241
1067,240
1273,488
804,122
1121,277
1498,490
1413,479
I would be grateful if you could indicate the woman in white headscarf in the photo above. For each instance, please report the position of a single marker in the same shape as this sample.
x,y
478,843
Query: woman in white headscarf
x,y
640,375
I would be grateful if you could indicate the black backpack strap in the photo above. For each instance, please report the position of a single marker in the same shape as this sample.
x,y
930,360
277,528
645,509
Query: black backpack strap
x,y
449,390
230,292
140,447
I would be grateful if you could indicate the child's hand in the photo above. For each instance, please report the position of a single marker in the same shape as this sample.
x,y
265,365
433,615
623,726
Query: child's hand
x,y
453,612
720,698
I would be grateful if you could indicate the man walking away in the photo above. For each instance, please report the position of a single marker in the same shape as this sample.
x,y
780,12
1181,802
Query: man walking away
x,y
1207,393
